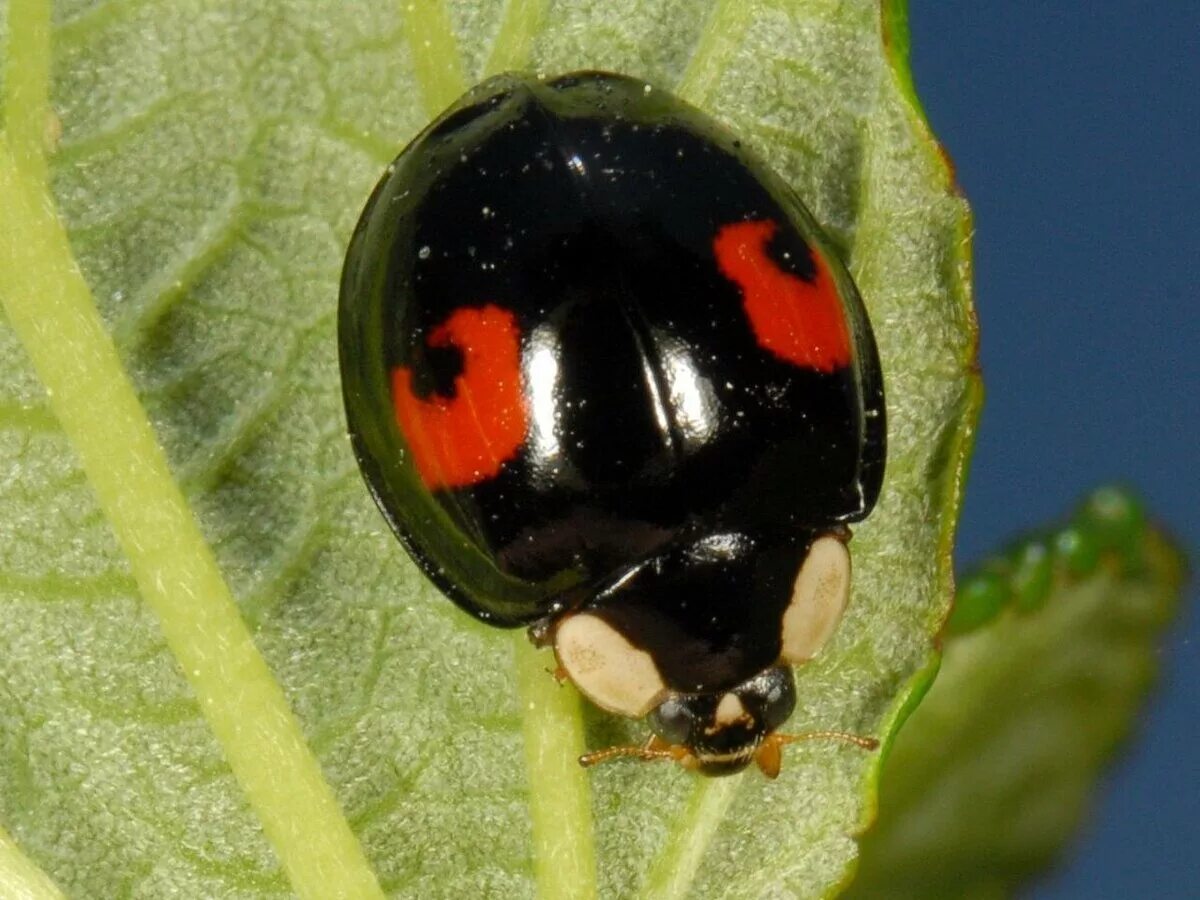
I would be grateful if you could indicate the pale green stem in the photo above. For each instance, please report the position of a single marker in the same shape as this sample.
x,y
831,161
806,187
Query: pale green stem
x,y
27,114
435,58
560,798
514,40
723,34
20,878
50,307
671,875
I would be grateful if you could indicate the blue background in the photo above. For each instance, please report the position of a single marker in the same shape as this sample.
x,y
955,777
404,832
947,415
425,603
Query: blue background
x,y
1075,129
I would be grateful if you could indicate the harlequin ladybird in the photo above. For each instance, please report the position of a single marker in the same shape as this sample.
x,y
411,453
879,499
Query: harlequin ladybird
x,y
607,379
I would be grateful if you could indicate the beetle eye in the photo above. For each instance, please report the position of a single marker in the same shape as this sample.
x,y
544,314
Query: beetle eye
x,y
771,695
672,721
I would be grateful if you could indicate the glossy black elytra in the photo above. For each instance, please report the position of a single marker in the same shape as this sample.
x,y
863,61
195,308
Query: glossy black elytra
x,y
606,378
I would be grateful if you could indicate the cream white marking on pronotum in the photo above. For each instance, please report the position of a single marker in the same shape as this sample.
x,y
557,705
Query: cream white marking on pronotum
x,y
730,710
819,599
610,671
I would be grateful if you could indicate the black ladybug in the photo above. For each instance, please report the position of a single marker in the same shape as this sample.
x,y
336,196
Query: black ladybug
x,y
606,378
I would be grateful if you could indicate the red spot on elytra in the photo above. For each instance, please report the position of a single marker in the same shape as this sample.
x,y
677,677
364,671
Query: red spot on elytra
x,y
801,322
463,439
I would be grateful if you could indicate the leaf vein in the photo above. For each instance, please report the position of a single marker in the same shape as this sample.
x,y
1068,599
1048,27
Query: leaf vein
x,y
514,39
722,34
44,293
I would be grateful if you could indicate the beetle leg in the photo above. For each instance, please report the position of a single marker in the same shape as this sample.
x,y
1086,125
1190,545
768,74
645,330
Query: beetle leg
x,y
541,632
841,531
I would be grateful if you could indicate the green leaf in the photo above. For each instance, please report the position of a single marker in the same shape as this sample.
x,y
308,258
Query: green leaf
x,y
990,777
213,158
